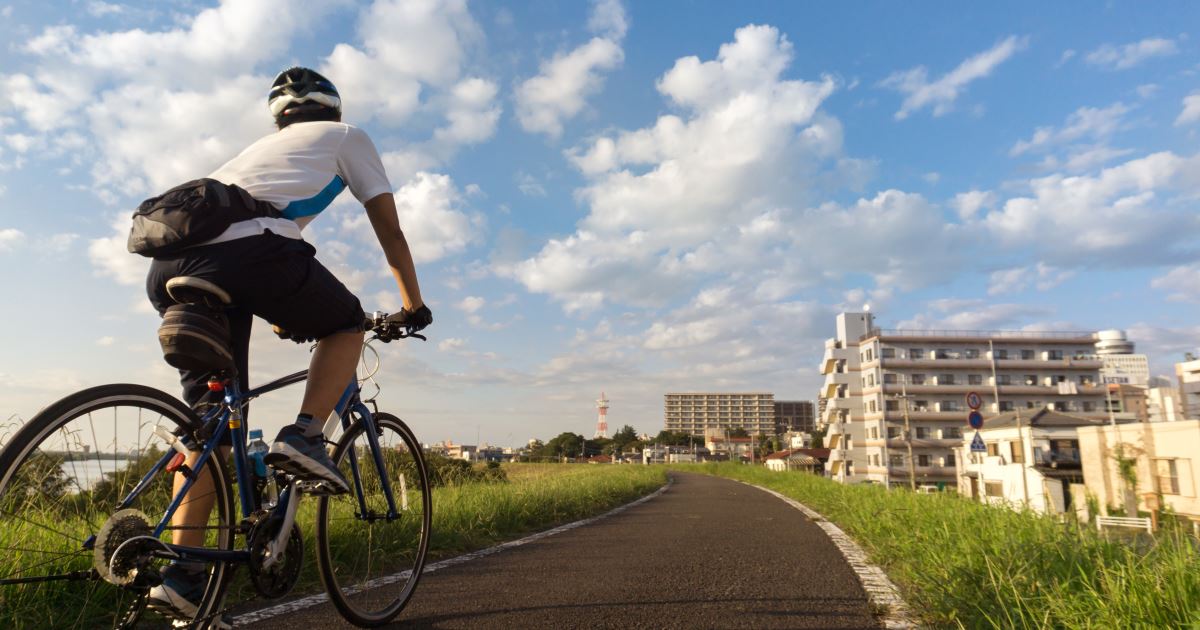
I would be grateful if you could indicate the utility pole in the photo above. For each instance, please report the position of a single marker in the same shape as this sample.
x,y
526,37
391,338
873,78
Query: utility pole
x,y
1024,461
912,470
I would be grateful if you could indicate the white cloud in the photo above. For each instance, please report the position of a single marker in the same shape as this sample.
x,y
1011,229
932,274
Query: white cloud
x,y
1085,122
1182,283
973,314
98,8
1191,110
106,341
472,113
452,344
471,304
561,88
529,185
1017,279
1130,55
608,19
969,203
110,257
940,94
10,238
1124,215
430,213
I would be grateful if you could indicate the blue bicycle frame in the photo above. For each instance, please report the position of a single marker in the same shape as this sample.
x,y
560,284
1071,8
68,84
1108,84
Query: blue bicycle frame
x,y
228,417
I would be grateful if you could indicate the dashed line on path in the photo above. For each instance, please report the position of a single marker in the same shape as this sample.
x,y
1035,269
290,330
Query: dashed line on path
x,y
881,592
320,598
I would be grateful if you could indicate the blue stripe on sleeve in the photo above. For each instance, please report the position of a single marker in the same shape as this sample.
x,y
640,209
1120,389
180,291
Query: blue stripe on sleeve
x,y
317,203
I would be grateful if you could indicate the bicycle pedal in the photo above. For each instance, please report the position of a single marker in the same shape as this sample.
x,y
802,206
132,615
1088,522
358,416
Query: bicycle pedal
x,y
317,488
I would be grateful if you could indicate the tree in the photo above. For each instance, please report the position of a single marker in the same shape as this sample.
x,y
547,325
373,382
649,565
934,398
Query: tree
x,y
673,438
739,432
623,437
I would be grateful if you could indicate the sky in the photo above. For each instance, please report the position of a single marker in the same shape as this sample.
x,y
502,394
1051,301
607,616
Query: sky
x,y
634,198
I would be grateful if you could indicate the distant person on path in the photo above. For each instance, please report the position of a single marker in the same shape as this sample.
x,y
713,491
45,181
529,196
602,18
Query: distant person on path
x,y
270,271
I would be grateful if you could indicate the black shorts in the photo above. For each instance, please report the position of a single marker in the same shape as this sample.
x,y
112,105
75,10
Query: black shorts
x,y
271,276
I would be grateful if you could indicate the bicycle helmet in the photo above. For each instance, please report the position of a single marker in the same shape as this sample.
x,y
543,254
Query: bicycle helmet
x,y
299,90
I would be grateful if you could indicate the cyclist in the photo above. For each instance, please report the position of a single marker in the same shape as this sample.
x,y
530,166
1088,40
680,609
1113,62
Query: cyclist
x,y
270,271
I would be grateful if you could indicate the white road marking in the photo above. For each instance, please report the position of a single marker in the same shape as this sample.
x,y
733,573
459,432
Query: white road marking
x,y
882,593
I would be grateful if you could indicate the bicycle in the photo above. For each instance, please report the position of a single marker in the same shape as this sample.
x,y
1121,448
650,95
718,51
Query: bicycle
x,y
80,551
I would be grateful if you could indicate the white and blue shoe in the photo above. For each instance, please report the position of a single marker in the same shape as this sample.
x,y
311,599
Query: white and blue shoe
x,y
306,458
180,594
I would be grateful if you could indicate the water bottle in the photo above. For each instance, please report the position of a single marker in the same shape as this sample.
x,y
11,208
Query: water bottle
x,y
255,452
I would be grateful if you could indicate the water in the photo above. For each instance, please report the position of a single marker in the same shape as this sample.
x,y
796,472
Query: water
x,y
90,471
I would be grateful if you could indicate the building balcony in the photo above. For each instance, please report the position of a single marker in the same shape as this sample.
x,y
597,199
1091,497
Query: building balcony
x,y
839,455
898,442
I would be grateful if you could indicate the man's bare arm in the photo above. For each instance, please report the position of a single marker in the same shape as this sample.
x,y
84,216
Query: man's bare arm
x,y
381,210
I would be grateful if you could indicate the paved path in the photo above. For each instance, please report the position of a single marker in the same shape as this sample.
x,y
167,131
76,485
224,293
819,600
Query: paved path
x,y
708,553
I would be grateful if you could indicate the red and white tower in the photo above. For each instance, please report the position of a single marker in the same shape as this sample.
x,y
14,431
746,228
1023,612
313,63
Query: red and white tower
x,y
602,422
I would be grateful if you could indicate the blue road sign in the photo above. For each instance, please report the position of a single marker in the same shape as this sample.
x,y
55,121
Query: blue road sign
x,y
977,445
975,419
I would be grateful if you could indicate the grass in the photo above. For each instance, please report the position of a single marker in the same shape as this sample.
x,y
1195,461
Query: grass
x,y
962,564
465,517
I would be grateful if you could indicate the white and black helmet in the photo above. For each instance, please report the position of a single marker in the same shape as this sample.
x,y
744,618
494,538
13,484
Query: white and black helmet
x,y
299,90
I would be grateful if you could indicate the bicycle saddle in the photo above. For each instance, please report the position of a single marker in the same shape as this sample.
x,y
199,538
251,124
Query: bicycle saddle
x,y
191,290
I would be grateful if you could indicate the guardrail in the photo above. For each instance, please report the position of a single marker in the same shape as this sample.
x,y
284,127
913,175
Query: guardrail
x,y
1123,521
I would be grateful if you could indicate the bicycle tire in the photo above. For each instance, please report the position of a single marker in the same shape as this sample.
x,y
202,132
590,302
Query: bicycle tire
x,y
349,597
26,447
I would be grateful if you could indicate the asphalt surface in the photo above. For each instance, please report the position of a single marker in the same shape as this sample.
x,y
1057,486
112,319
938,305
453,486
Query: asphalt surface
x,y
707,553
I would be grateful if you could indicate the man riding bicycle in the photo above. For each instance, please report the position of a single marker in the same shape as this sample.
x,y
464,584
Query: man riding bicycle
x,y
268,270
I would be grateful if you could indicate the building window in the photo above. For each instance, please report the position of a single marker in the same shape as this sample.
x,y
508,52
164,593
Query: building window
x,y
1027,355
871,406
945,379
971,353
1031,379
1016,456
887,353
1034,404
993,488
893,432
1006,405
918,379
1089,406
1168,476
1001,353
951,433
889,378
949,460
916,353
895,461
921,405
1086,380
992,449
870,354
950,405
1054,355
941,353
922,460
892,405
1003,379
975,379
922,433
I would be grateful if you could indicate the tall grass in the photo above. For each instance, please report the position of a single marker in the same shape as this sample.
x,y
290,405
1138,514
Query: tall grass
x,y
963,564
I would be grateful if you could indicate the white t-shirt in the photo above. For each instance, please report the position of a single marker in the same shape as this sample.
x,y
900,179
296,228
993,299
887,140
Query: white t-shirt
x,y
301,169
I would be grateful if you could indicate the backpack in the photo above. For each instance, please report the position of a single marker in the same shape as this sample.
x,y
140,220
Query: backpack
x,y
190,214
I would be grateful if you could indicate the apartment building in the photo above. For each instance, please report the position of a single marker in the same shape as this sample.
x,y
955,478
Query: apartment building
x,y
1188,374
1162,405
1121,365
694,412
877,380
794,415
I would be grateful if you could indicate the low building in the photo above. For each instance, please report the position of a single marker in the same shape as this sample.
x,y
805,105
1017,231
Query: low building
x,y
1035,464
1162,467
810,460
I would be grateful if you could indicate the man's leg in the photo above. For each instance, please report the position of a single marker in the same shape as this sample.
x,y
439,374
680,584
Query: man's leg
x,y
329,372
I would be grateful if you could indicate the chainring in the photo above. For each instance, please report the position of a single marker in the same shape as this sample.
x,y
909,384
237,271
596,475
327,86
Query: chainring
x,y
120,528
281,578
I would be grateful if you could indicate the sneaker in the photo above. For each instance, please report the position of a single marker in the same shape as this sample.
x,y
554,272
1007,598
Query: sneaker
x,y
180,593
306,458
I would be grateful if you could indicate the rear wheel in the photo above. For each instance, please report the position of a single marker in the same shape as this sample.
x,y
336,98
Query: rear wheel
x,y
62,477
370,556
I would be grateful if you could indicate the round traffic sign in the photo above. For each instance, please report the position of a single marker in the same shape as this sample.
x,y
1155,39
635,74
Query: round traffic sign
x,y
975,419
974,400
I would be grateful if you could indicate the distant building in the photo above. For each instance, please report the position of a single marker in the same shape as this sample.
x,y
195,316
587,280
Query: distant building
x,y
794,415
1188,375
1121,365
1163,405
694,412
876,378
1166,466
810,460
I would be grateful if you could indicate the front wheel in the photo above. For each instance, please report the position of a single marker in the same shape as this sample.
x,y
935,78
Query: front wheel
x,y
371,550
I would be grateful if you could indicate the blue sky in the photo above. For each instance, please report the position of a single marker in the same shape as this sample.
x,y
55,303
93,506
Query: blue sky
x,y
634,198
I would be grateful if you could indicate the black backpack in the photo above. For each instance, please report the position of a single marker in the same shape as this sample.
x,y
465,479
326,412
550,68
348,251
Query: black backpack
x,y
190,214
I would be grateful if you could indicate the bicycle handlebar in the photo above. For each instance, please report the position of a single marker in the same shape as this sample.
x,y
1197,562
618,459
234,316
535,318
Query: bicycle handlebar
x,y
386,331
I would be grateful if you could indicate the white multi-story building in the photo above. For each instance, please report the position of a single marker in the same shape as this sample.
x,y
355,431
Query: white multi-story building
x,y
1163,405
1121,365
877,380
695,412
